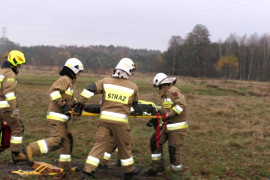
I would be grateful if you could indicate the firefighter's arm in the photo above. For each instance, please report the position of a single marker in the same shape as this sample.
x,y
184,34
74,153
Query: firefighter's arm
x,y
88,92
9,90
61,85
178,105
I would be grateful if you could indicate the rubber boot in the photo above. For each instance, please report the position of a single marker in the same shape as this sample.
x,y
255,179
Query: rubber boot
x,y
27,150
17,156
90,174
132,174
153,172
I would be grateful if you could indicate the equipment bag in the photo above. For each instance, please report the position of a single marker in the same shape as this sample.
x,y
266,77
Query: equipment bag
x,y
5,135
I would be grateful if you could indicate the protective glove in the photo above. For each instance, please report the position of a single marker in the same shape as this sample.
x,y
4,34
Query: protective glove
x,y
77,109
152,123
66,109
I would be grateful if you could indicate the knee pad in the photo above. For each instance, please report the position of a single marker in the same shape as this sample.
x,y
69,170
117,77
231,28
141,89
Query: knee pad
x,y
172,150
59,144
70,141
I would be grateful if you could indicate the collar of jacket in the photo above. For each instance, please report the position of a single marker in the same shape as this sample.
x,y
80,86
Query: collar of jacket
x,y
164,90
7,65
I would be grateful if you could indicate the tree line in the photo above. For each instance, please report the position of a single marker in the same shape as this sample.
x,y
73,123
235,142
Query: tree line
x,y
244,58
238,57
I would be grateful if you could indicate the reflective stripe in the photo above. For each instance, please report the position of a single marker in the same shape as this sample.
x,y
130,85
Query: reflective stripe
x,y
64,158
16,140
69,91
106,156
10,96
87,94
175,126
4,104
112,116
176,168
55,95
57,116
1,79
117,93
92,160
127,162
42,146
116,149
121,88
177,109
167,103
156,157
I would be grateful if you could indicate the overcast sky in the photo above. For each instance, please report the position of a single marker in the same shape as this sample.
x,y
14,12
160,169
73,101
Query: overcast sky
x,y
136,24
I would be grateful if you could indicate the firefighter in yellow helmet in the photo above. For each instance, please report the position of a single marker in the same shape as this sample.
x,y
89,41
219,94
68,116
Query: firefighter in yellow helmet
x,y
61,101
9,108
118,95
174,108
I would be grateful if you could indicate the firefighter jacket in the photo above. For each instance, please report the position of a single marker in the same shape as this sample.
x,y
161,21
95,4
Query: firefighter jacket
x,y
61,93
174,104
8,101
118,94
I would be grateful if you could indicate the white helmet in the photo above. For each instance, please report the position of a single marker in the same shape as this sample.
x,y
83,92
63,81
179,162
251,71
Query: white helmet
x,y
126,65
162,78
74,64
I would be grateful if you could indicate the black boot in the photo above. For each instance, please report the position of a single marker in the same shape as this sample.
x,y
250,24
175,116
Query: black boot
x,y
130,175
90,174
153,172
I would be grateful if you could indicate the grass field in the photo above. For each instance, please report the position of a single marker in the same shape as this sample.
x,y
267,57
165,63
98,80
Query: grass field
x,y
229,124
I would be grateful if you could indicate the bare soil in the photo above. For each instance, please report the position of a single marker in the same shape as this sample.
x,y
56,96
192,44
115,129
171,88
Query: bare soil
x,y
112,173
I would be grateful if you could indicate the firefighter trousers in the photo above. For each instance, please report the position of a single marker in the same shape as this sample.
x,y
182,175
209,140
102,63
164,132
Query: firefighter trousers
x,y
17,130
61,138
175,142
107,133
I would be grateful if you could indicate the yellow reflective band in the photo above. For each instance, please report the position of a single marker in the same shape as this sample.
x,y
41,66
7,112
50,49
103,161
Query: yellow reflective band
x,y
175,126
127,162
69,91
106,156
55,95
176,168
64,158
10,96
177,109
116,150
4,104
118,94
42,146
92,160
87,94
156,157
10,79
167,103
57,116
16,140
112,116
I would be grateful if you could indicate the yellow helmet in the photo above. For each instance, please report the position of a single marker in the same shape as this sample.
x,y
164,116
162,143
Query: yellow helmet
x,y
16,57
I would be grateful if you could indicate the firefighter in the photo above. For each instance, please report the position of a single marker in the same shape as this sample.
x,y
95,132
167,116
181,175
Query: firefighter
x,y
173,106
118,95
9,108
61,102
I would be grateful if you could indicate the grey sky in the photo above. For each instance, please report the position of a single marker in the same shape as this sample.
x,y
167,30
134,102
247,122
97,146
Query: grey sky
x,y
136,24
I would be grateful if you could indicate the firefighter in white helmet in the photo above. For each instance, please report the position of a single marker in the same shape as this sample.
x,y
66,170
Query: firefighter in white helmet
x,y
61,101
174,108
118,95
9,108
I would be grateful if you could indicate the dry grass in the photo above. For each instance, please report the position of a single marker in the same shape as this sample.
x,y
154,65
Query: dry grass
x,y
229,127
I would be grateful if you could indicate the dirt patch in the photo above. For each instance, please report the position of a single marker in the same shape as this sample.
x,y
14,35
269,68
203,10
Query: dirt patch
x,y
112,173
